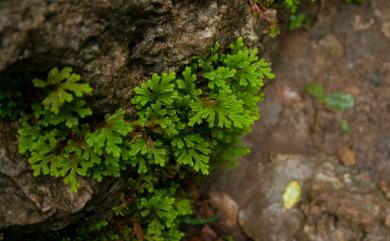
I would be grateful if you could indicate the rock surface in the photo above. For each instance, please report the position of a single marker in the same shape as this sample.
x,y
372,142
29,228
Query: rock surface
x,y
113,45
336,203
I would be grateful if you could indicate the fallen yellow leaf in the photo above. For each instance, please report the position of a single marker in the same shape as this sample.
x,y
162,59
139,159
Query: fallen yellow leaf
x,y
291,194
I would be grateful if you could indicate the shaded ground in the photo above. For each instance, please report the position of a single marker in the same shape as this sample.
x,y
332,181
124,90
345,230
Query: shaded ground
x,y
348,51
345,176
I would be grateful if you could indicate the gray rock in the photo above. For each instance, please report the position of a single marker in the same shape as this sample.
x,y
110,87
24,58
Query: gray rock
x,y
115,44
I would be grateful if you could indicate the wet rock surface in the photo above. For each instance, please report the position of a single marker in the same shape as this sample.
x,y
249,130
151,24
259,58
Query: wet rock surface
x,y
113,45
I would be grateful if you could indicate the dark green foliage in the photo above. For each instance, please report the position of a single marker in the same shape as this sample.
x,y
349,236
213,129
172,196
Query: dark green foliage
x,y
9,103
163,210
200,221
354,1
52,135
297,21
186,123
11,96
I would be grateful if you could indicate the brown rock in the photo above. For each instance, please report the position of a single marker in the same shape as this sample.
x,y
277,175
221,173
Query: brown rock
x,y
208,234
346,156
227,206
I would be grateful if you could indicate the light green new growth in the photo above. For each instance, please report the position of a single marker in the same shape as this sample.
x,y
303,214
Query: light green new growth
x,y
62,86
292,5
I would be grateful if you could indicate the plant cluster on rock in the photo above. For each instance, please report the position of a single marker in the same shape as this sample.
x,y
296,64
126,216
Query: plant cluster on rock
x,y
180,124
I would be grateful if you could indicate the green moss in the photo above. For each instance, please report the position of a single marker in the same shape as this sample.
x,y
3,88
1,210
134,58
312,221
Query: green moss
x,y
185,123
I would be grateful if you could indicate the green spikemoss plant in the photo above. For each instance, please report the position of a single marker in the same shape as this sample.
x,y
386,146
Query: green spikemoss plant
x,y
184,124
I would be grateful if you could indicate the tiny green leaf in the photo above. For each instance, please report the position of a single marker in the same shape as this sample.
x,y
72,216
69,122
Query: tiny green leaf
x,y
340,101
344,126
297,21
316,90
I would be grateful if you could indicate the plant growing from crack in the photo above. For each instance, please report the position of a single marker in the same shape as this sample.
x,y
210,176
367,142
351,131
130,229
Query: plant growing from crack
x,y
185,123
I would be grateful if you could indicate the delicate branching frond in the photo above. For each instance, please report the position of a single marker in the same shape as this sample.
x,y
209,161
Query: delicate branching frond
x,y
184,123
64,86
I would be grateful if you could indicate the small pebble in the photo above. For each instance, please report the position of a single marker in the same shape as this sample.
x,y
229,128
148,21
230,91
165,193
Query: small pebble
x,y
227,206
346,156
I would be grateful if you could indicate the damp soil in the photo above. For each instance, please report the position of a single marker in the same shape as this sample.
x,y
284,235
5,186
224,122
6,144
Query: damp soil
x,y
346,50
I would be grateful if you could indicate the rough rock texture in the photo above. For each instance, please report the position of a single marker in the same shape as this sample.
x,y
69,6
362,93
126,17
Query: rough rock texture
x,y
336,204
27,200
113,45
